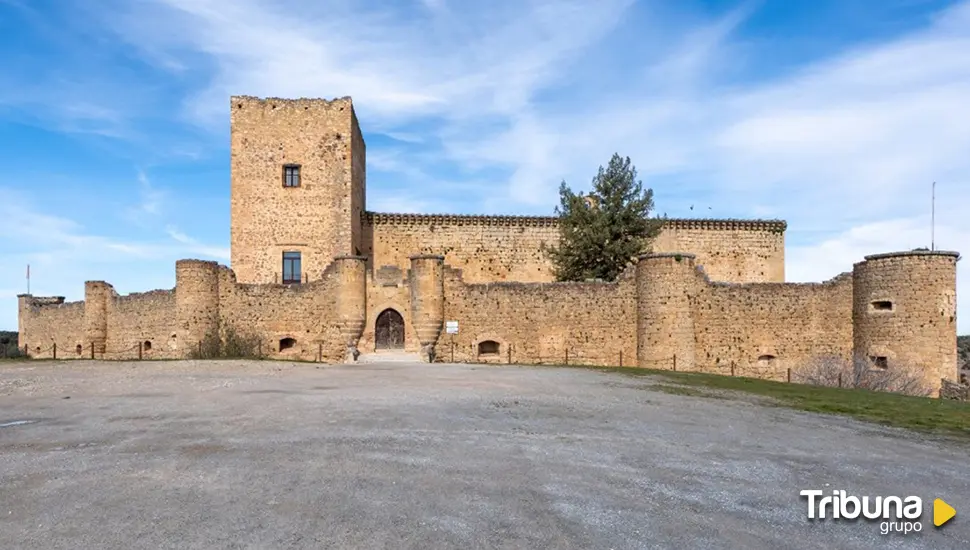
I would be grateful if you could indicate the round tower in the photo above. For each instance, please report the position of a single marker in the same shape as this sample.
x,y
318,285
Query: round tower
x,y
665,323
351,301
904,313
427,301
96,296
196,303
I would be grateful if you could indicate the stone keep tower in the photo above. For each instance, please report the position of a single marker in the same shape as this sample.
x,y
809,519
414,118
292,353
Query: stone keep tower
x,y
297,187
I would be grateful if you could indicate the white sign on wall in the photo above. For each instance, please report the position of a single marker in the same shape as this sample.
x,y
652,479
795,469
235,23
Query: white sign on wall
x,y
451,327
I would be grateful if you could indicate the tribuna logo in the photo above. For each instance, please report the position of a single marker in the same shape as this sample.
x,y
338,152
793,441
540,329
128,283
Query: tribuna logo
x,y
905,511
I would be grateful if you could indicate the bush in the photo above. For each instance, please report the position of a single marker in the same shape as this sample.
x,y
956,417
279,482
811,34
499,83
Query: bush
x,y
10,345
224,341
830,371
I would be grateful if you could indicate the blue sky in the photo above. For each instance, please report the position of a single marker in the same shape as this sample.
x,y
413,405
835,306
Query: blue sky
x,y
835,115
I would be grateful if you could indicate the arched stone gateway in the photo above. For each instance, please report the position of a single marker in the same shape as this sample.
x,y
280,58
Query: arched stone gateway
x,y
389,330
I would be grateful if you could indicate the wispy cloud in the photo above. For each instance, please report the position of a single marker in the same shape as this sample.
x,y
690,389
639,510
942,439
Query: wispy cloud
x,y
489,105
194,247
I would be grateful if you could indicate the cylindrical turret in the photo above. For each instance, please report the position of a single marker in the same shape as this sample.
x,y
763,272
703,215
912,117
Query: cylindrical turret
x,y
427,301
904,313
351,301
96,296
196,303
665,323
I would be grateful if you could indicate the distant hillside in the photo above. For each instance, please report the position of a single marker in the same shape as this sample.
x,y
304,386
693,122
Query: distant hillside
x,y
963,351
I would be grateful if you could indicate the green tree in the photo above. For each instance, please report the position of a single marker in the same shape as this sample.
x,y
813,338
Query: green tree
x,y
602,231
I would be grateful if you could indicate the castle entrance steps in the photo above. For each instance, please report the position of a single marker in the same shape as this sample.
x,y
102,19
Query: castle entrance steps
x,y
389,356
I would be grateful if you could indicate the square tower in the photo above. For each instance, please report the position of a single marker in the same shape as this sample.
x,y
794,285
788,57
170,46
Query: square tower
x,y
297,187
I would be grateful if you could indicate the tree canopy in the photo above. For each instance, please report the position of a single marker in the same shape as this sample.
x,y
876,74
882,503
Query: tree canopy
x,y
600,232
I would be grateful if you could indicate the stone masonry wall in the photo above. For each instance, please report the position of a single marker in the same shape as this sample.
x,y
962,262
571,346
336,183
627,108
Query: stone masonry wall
x,y
736,251
145,318
905,311
762,330
320,218
899,306
306,313
551,323
509,248
46,321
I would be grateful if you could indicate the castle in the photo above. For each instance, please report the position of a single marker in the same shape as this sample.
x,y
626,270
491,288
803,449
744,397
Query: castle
x,y
316,276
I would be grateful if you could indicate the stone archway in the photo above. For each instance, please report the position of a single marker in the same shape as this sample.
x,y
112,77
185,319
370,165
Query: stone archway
x,y
389,330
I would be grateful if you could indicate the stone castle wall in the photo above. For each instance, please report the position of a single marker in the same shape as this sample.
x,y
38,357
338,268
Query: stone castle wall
x,y
509,248
663,312
710,296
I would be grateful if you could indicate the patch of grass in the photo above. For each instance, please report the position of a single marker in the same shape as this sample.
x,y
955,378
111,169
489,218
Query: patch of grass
x,y
682,390
924,414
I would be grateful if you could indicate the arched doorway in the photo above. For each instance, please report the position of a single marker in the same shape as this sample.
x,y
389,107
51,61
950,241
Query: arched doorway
x,y
389,330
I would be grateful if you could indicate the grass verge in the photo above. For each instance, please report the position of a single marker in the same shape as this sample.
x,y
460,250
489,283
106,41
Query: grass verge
x,y
924,414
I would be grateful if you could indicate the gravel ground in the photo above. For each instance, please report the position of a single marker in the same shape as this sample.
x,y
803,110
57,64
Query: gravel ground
x,y
281,455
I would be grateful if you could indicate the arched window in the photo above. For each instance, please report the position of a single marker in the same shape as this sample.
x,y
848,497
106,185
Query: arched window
x,y
287,343
79,349
488,347
147,345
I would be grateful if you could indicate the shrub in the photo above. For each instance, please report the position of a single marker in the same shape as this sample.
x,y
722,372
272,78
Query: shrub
x,y
10,345
897,378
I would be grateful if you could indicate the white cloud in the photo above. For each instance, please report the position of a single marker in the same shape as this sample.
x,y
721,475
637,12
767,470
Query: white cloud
x,y
63,254
843,147
193,246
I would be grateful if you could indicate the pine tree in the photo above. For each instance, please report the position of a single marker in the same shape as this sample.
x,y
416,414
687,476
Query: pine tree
x,y
601,232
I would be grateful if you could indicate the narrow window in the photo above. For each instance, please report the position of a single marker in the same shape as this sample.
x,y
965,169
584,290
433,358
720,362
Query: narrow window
x,y
78,349
488,347
292,271
287,343
147,346
879,362
291,175
882,305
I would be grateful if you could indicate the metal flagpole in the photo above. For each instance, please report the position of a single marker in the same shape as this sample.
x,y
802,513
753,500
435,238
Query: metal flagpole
x,y
933,219
28,278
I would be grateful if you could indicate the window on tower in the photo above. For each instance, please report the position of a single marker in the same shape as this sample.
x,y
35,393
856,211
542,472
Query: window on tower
x,y
292,271
291,175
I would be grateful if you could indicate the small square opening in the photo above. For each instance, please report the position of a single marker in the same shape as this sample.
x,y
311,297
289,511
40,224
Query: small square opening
x,y
882,305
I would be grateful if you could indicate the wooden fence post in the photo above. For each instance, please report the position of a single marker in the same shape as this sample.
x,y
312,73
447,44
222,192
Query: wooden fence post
x,y
55,350
840,379
789,375
732,369
621,358
319,352
675,362
139,350
509,353
92,350
567,356
200,349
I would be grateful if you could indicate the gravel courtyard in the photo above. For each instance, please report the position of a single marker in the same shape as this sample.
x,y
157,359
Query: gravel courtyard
x,y
232,454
